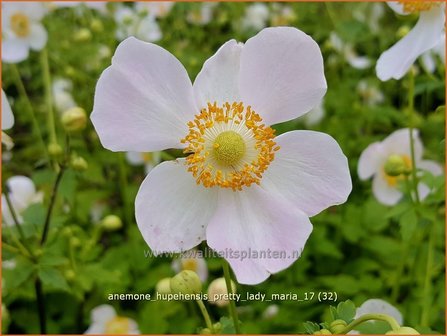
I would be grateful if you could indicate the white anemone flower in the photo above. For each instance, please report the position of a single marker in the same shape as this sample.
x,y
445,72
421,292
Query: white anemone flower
x,y
369,93
373,159
191,260
377,306
149,160
131,23
62,97
22,30
256,16
240,187
158,9
7,121
105,321
202,15
395,62
22,193
348,53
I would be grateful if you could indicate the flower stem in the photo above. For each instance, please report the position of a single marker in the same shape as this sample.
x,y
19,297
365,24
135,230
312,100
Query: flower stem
x,y
367,317
206,316
124,188
40,306
51,206
13,212
48,96
21,88
232,305
411,116
427,281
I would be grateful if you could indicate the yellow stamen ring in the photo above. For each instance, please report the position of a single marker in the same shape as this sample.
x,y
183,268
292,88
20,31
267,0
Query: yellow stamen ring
x,y
20,24
229,146
415,6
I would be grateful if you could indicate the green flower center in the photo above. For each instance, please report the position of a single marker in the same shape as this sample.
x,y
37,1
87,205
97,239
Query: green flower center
x,y
229,148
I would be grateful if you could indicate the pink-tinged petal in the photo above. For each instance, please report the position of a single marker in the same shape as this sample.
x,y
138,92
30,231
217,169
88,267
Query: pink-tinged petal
x,y
384,193
423,191
281,74
430,166
398,143
14,50
7,116
397,7
171,210
38,37
371,160
218,79
395,62
144,100
251,222
310,172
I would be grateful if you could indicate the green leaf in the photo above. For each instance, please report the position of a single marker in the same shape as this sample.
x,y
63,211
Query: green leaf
x,y
346,311
52,278
227,325
408,224
311,327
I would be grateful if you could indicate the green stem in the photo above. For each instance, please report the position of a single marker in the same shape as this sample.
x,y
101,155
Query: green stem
x,y
232,305
21,88
427,281
13,213
40,306
206,316
411,126
124,188
367,317
51,206
48,96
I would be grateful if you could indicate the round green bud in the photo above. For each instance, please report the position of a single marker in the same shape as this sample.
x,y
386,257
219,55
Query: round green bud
x,y
74,119
217,327
337,326
78,163
82,35
55,150
402,31
395,165
75,242
164,286
111,223
403,331
70,71
38,252
186,282
96,26
205,331
325,332
70,274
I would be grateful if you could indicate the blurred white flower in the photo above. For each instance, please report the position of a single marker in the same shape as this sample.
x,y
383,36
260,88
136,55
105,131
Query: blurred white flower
x,y
158,9
348,53
105,321
371,16
314,116
202,15
62,98
256,16
397,145
149,160
281,15
191,260
22,30
132,23
7,116
395,62
370,94
22,194
270,312
429,57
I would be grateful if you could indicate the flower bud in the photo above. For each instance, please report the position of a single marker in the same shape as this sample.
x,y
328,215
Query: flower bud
x,y
164,286
82,35
70,274
75,242
55,150
96,26
322,332
186,282
395,166
403,331
78,163
74,119
217,327
205,331
217,292
337,326
402,31
111,223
